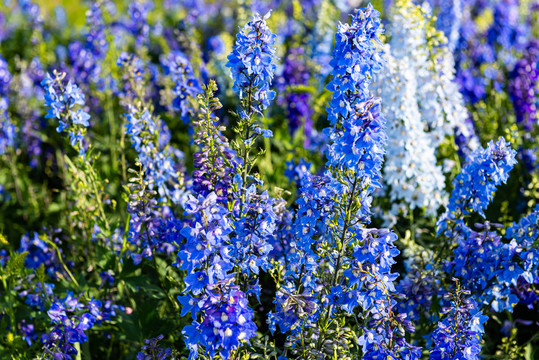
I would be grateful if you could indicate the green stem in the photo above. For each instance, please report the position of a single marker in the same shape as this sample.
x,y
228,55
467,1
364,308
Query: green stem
x,y
62,261
97,193
412,223
161,281
15,174
10,304
113,132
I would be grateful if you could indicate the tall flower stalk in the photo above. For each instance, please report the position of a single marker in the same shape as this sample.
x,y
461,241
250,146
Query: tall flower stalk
x,y
252,68
342,269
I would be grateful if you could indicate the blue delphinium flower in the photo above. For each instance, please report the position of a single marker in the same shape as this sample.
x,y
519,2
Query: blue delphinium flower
x,y
254,224
221,244
474,188
254,219
526,234
227,323
298,173
4,257
159,160
523,87
150,136
151,351
86,57
418,287
449,19
483,172
298,103
39,253
186,86
28,332
485,55
297,301
252,69
336,264
137,24
143,221
282,235
133,77
7,129
206,237
357,134
487,267
507,30
458,335
251,63
71,320
61,98
34,292
210,295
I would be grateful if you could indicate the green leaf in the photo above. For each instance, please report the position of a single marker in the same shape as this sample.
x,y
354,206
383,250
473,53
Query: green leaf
x,y
15,264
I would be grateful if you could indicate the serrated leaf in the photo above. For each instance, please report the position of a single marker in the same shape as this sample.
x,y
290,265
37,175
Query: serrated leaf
x,y
15,264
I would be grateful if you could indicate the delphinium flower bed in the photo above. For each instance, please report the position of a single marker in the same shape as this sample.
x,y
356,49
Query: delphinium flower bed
x,y
263,179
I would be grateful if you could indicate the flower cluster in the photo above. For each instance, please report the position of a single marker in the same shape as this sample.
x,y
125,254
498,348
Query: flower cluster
x,y
61,98
226,240
523,86
71,320
484,53
7,129
307,187
251,63
337,265
254,224
458,335
146,135
484,171
35,293
358,135
226,319
87,56
215,163
356,58
177,66
138,25
227,323
419,286
297,101
150,137
39,253
479,258
526,233
415,37
143,223
150,350
411,171
299,173
296,302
